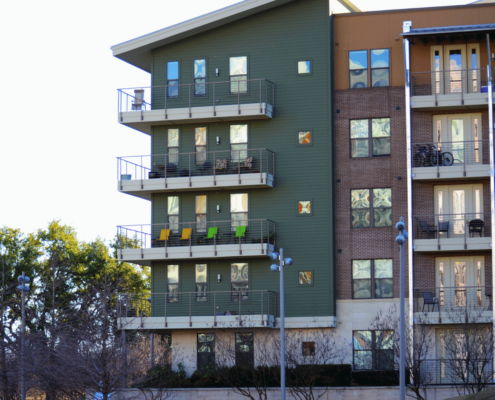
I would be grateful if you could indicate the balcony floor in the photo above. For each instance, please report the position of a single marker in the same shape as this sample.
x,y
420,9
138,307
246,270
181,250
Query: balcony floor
x,y
457,171
446,101
146,255
144,188
143,120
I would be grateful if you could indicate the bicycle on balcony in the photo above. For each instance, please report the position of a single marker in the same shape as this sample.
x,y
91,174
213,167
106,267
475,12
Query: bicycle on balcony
x,y
429,156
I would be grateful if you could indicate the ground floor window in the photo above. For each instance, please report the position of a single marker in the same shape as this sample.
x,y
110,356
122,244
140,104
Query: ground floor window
x,y
244,349
206,350
373,350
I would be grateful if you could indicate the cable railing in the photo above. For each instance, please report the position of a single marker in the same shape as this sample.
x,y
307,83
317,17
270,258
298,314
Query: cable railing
x,y
238,232
449,300
211,94
449,226
461,81
245,307
462,371
447,154
204,163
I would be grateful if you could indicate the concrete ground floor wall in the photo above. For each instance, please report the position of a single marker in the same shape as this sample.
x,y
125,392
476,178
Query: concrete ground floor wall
x,y
337,393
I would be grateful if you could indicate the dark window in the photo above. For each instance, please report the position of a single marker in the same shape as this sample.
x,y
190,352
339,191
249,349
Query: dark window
x,y
380,68
173,79
365,145
201,282
372,279
308,348
244,349
206,350
238,67
200,78
358,69
367,202
239,281
373,350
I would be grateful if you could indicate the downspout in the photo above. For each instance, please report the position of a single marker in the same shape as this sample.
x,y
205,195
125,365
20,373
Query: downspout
x,y
406,27
492,168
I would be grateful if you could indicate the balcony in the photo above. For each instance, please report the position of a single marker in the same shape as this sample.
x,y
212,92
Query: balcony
x,y
192,310
453,305
466,88
141,244
143,175
450,160
452,232
140,108
465,372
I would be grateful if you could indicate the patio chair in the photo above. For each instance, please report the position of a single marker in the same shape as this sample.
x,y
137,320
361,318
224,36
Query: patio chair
x,y
186,234
164,236
443,227
212,234
221,165
247,163
204,167
428,230
476,226
240,233
428,300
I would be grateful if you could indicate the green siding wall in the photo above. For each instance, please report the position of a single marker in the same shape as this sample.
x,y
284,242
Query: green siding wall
x,y
274,41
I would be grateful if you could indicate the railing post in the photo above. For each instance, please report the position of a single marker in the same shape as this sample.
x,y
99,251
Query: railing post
x,y
165,99
190,184
166,157
214,170
190,317
261,110
215,239
166,241
262,238
466,227
190,239
190,115
141,311
142,183
239,166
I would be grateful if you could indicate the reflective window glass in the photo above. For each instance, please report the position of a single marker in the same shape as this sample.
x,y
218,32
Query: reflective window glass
x,y
305,277
304,67
173,283
238,75
304,137
200,145
201,282
173,70
206,351
200,68
358,69
200,78
239,202
244,349
373,350
360,132
380,68
173,146
304,207
238,142
308,348
201,216
239,280
173,79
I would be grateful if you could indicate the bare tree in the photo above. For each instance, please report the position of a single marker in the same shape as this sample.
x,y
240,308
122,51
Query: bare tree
x,y
420,345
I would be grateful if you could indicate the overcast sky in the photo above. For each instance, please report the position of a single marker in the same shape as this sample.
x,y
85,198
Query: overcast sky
x,y
60,138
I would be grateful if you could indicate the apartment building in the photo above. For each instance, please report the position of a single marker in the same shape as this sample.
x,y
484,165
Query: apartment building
x,y
413,118
240,118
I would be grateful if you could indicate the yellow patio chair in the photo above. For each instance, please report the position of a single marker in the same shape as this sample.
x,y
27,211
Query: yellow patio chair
x,y
186,233
164,234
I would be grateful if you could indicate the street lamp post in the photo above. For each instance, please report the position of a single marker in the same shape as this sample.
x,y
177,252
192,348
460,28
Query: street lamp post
x,y
23,280
400,239
287,261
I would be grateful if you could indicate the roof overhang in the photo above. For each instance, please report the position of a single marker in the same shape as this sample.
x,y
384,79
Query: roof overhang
x,y
137,51
450,30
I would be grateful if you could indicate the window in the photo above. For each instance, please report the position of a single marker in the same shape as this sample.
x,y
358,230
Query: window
x,y
358,69
238,142
362,146
239,281
173,283
305,278
201,215
200,144
173,146
304,67
173,80
239,209
308,349
173,213
304,207
304,138
199,78
373,350
372,279
380,206
244,349
206,350
380,68
201,282
238,75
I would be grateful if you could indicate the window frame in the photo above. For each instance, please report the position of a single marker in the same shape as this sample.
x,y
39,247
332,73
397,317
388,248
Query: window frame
x,y
213,353
231,92
205,214
169,97
373,350
170,224
198,155
174,158
371,209
205,284
233,224
360,69
310,214
369,138
238,158
312,349
304,144
235,298
250,353
301,285
173,299
205,78
372,279
310,59
381,68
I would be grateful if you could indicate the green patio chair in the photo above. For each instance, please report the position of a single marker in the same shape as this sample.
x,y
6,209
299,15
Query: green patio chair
x,y
212,234
240,232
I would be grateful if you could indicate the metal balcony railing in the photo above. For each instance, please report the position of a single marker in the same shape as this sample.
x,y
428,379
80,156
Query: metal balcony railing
x,y
446,154
449,300
449,82
444,226
200,233
211,94
456,371
239,303
207,163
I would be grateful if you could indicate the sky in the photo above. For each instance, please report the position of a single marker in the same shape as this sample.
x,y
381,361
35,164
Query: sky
x,y
60,138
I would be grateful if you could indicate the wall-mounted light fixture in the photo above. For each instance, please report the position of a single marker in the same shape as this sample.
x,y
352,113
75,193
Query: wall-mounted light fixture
x,y
218,139
219,278
218,209
217,71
